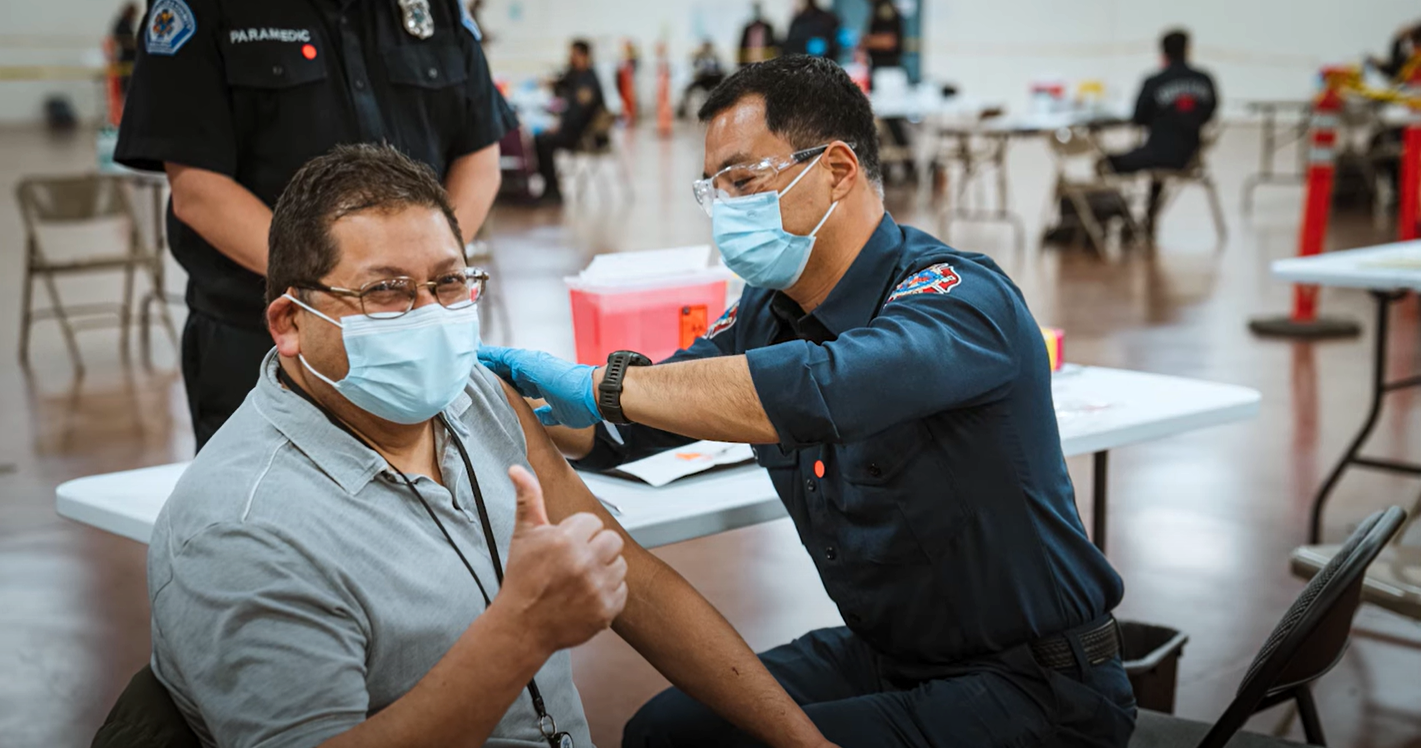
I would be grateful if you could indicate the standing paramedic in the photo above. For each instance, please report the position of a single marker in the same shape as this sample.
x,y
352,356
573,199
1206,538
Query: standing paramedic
x,y
898,392
231,97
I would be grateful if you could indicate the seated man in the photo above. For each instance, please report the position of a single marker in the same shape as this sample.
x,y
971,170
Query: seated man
x,y
899,394
579,95
706,74
1174,104
361,557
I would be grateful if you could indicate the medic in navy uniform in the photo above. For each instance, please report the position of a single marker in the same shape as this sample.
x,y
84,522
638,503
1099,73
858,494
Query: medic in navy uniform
x,y
1174,105
898,393
231,97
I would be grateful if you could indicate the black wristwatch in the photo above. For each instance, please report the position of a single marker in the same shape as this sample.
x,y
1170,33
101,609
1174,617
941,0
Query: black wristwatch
x,y
609,391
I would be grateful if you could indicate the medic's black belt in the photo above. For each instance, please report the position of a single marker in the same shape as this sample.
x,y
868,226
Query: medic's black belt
x,y
1099,641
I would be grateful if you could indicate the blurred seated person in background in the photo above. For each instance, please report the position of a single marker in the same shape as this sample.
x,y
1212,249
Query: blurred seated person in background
x,y
706,74
1404,46
814,31
1174,105
579,95
364,556
757,40
883,40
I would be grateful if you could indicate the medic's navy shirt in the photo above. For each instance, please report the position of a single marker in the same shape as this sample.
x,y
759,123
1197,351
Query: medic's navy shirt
x,y
253,89
919,455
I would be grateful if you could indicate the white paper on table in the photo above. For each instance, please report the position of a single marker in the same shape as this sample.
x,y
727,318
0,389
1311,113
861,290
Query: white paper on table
x,y
659,470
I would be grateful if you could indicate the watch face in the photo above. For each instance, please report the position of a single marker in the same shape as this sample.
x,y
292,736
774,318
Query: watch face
x,y
564,740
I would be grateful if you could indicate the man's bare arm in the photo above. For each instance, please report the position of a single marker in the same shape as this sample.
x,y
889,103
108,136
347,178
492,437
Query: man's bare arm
x,y
223,212
669,623
574,444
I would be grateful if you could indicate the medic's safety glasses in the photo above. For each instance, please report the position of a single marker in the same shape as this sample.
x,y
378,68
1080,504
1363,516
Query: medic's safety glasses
x,y
747,179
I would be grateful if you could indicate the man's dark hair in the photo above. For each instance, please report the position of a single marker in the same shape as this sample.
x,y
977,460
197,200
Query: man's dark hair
x,y
809,101
1175,45
349,179
582,46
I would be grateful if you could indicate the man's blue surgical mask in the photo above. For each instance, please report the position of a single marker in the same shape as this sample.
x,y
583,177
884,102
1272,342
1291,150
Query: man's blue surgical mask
x,y
409,368
750,233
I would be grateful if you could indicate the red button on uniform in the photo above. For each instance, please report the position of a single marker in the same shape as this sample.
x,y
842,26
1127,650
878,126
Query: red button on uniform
x,y
308,51
819,468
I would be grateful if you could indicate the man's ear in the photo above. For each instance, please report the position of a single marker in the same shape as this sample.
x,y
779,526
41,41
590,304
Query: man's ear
x,y
843,164
281,322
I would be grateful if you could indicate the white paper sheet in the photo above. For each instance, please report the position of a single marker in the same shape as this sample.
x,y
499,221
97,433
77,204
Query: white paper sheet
x,y
659,470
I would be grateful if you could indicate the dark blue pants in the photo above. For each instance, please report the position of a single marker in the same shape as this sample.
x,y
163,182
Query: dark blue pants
x,y
1007,700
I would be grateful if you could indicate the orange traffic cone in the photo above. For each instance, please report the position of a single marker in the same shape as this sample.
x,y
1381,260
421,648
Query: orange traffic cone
x,y
1303,322
663,92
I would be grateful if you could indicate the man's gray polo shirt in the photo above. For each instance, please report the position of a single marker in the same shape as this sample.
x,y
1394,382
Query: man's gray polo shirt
x,y
298,587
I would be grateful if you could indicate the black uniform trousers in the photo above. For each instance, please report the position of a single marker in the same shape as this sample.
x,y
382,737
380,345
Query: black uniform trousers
x,y
547,144
1145,158
1007,699
221,364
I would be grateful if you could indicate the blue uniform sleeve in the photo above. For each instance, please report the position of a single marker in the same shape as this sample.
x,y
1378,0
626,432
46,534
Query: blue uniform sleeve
x,y
948,337
618,445
488,117
177,108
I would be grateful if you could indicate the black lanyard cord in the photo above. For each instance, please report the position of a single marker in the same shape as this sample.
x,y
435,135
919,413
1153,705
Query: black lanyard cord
x,y
538,706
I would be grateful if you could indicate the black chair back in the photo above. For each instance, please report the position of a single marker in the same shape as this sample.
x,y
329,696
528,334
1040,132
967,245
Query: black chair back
x,y
1312,636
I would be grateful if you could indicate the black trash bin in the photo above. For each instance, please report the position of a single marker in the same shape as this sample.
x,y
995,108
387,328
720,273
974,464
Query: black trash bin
x,y
1151,654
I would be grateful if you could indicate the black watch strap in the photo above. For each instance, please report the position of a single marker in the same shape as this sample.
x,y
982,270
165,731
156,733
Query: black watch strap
x,y
609,391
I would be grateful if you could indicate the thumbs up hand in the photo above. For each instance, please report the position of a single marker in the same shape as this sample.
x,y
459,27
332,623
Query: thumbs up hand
x,y
567,581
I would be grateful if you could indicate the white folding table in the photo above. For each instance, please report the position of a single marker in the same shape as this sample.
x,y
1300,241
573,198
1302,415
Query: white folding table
x,y
1389,272
1098,410
995,135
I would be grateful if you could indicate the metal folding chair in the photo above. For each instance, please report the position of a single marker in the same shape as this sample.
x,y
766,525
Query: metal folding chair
x,y
597,155
72,201
1392,583
1195,173
1071,146
1307,643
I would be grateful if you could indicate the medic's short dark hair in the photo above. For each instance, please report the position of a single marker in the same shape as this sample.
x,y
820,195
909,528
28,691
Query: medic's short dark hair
x,y
1175,45
809,101
349,179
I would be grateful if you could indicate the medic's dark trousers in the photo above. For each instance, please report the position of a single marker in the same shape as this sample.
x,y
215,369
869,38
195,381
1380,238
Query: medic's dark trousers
x,y
1005,700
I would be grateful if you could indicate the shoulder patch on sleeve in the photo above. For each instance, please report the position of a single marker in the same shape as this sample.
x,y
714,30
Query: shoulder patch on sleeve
x,y
940,278
467,18
724,323
170,25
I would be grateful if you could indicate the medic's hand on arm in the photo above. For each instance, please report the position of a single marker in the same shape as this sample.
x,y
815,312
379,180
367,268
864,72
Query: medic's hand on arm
x,y
667,621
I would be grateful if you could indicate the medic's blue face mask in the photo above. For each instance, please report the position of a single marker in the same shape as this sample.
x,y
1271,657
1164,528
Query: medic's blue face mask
x,y
750,233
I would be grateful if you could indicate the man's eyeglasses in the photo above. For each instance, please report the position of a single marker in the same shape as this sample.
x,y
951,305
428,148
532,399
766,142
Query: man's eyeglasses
x,y
394,297
747,179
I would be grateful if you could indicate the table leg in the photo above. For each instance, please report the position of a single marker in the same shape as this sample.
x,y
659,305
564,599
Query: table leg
x,y
1097,487
1379,388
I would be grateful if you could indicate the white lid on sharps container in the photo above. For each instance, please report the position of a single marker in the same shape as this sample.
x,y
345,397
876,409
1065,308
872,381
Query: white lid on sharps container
x,y
655,268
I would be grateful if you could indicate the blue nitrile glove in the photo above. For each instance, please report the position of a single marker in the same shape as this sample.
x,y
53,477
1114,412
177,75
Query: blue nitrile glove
x,y
567,387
